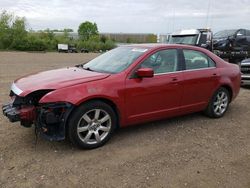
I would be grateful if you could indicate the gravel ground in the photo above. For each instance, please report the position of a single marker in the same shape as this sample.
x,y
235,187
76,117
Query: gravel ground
x,y
189,151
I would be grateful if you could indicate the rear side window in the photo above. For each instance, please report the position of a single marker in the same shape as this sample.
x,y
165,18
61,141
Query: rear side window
x,y
248,33
197,60
241,32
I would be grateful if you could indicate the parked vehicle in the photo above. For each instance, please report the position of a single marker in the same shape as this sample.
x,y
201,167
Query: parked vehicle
x,y
125,86
245,69
232,40
195,37
231,45
66,48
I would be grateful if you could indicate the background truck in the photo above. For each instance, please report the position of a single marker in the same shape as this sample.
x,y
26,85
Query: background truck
x,y
245,70
196,37
66,48
231,45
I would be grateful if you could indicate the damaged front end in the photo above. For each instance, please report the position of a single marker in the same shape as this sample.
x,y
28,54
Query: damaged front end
x,y
49,119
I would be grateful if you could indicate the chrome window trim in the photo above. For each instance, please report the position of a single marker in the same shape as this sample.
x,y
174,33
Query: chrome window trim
x,y
15,89
199,36
185,71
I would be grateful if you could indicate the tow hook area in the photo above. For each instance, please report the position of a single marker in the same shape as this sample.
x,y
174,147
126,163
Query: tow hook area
x,y
52,119
26,114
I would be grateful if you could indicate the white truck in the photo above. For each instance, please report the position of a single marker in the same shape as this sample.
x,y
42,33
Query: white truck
x,y
66,48
195,37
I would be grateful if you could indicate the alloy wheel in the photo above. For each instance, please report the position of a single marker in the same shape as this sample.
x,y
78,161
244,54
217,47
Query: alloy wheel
x,y
220,103
94,126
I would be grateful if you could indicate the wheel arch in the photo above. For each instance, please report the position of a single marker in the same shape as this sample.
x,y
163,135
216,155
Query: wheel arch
x,y
111,103
229,89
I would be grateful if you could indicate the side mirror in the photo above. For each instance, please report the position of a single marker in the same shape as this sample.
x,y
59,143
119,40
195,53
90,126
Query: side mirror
x,y
145,73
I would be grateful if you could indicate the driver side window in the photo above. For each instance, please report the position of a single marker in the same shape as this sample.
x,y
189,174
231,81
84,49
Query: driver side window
x,y
241,33
163,61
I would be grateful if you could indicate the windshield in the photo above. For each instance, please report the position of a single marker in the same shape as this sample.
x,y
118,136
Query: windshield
x,y
115,60
225,33
183,39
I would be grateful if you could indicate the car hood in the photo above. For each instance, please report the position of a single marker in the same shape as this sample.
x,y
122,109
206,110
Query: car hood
x,y
54,79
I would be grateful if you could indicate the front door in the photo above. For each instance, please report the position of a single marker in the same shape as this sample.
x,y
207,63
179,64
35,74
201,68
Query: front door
x,y
156,97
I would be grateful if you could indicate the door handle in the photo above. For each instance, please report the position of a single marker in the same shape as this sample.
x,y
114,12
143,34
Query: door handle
x,y
214,74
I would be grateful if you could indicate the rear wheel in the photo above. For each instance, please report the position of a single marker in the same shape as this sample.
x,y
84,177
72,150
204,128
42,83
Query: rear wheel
x,y
92,125
218,104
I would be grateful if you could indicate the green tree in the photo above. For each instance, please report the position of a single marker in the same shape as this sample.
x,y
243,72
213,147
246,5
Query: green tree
x,y
19,33
13,32
68,30
14,35
5,29
151,38
48,38
87,30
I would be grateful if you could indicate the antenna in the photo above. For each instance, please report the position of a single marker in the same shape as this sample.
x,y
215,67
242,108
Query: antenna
x,y
208,12
173,19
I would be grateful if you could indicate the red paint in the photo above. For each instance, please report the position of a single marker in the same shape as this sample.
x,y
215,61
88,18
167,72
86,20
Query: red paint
x,y
27,113
56,79
138,99
145,73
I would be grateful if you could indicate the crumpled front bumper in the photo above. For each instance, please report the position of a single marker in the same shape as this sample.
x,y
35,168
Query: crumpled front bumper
x,y
12,113
25,114
48,119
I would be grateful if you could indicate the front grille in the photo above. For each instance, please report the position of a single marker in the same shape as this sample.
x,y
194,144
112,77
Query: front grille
x,y
245,69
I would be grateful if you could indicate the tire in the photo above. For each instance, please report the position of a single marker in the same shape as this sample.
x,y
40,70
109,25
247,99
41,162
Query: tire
x,y
218,104
91,125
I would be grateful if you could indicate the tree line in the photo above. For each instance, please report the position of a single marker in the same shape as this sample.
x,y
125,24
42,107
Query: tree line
x,y
15,36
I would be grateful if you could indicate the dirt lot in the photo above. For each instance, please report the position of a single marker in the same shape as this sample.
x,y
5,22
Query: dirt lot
x,y
190,151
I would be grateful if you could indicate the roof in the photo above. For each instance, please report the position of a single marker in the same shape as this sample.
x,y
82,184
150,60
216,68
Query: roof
x,y
159,45
187,32
147,45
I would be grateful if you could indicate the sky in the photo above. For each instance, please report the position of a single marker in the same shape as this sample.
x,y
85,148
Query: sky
x,y
132,16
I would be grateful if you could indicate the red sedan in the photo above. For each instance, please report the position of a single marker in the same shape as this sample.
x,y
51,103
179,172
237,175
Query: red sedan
x,y
128,85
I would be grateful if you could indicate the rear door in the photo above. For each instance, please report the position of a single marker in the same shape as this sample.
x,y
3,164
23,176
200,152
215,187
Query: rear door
x,y
199,80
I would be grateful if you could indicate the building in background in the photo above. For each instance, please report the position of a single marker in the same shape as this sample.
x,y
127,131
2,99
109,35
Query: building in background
x,y
163,38
128,37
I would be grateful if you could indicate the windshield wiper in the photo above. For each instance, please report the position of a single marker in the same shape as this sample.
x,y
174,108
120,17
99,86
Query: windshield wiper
x,y
87,68
180,43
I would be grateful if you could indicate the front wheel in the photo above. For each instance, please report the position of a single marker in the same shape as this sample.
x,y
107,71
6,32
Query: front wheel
x,y
218,104
92,125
